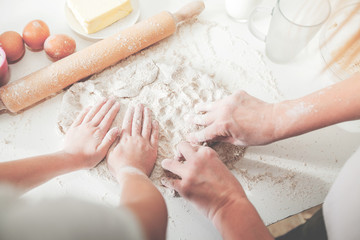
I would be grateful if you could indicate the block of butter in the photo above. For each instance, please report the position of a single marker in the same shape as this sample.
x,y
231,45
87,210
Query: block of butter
x,y
94,15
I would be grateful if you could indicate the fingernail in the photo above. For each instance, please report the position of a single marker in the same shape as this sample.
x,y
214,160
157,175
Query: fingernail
x,y
197,106
189,118
146,110
155,123
199,119
189,137
186,117
199,136
162,162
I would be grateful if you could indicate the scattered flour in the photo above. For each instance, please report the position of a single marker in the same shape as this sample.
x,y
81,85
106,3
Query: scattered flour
x,y
173,76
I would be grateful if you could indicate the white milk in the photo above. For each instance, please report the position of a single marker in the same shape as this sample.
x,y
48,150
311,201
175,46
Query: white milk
x,y
240,10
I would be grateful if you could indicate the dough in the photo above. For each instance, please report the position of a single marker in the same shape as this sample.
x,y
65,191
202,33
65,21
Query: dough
x,y
171,78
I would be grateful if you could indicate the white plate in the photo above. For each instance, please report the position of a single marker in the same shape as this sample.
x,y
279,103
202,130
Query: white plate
x,y
108,31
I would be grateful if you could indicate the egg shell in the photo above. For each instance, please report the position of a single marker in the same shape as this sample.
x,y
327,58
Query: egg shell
x,y
58,46
3,68
13,45
35,33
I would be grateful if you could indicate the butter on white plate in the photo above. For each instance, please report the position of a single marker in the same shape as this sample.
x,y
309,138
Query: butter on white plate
x,y
95,15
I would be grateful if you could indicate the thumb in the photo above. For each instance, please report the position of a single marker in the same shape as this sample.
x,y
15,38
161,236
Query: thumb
x,y
109,138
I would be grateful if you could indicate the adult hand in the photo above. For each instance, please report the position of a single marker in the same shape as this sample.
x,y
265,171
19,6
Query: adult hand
x,y
204,179
138,142
88,138
239,119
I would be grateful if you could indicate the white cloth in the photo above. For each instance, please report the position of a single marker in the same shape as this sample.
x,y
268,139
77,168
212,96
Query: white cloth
x,y
68,219
341,207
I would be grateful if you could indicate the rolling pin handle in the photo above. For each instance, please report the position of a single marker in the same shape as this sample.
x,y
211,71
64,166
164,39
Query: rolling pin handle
x,y
189,11
2,106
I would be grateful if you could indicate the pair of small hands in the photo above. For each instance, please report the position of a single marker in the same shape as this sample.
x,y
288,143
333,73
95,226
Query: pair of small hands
x,y
88,139
239,119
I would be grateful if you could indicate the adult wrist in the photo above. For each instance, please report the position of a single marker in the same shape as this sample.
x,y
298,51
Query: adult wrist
x,y
225,205
280,121
239,219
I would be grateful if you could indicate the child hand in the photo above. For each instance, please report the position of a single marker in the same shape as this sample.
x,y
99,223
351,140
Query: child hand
x,y
137,147
88,138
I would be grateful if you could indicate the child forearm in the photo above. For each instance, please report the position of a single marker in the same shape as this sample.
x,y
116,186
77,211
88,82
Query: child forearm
x,y
140,195
31,172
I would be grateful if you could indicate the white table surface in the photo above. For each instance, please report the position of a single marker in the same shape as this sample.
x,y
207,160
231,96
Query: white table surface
x,y
314,158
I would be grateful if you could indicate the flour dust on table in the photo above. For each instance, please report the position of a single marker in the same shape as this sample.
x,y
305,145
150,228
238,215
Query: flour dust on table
x,y
201,62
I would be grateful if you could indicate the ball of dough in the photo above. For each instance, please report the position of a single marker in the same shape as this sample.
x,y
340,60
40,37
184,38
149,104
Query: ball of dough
x,y
35,33
58,46
13,45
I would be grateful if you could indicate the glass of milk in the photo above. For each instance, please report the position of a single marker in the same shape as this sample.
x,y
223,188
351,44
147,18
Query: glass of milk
x,y
293,24
239,10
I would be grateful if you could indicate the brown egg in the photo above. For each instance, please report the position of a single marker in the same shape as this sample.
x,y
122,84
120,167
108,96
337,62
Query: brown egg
x,y
35,33
13,45
58,46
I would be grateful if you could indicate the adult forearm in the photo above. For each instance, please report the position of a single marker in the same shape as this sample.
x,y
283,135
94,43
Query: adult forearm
x,y
334,104
31,172
238,219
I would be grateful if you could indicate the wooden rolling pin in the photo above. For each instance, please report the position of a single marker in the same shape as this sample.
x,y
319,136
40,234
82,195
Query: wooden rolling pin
x,y
32,88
